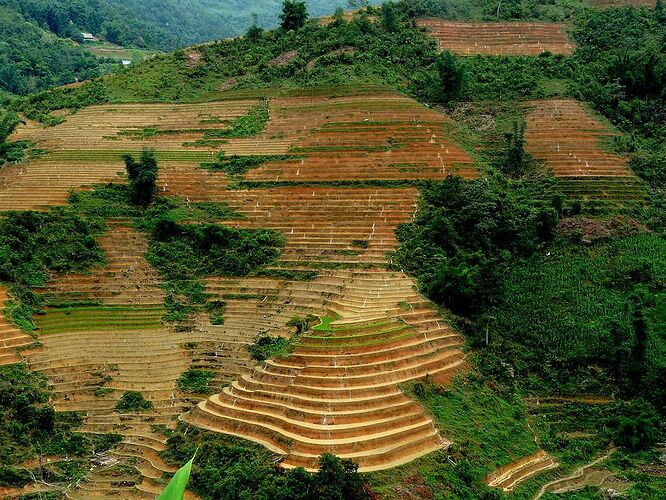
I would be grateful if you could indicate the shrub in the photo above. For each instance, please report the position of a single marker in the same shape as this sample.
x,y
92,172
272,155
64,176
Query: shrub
x,y
302,324
184,251
133,401
196,381
142,177
637,427
516,159
269,347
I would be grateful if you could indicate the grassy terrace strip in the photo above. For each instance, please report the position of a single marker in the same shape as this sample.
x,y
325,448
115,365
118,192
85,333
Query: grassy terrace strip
x,y
100,318
239,165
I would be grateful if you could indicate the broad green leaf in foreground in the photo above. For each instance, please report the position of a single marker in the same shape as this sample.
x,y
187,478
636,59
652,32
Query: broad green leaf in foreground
x,y
176,487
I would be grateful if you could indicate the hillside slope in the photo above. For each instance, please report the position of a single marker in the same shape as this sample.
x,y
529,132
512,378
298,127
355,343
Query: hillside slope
x,y
448,271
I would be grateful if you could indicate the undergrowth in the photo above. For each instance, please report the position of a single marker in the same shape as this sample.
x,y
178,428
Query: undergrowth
x,y
197,381
30,427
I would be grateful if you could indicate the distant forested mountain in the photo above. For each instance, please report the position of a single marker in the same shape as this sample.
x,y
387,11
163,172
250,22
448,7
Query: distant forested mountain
x,y
155,24
42,42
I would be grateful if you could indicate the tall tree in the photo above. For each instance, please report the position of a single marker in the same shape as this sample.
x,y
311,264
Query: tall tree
x,y
255,31
660,12
142,177
516,160
294,15
389,18
451,74
338,17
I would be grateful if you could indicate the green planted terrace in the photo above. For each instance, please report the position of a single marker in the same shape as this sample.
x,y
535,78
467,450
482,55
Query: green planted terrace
x,y
99,318
604,192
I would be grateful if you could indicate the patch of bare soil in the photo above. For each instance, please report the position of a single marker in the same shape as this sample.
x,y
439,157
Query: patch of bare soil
x,y
414,488
344,50
230,83
193,59
589,230
283,59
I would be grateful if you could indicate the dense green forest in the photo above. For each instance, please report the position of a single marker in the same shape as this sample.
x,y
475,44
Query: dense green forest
x,y
32,59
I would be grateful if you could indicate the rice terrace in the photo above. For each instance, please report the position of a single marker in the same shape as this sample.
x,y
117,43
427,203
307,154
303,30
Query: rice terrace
x,y
413,250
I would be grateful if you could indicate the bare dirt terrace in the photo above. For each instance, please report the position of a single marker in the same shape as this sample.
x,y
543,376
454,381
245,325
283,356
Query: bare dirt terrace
x,y
495,39
378,137
569,138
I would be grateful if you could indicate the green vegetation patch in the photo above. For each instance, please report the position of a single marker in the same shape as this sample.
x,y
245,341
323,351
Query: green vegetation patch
x,y
133,401
579,309
491,423
100,318
267,347
185,244
240,165
226,467
196,381
113,201
182,251
324,325
466,234
10,151
251,124
34,245
488,428
288,274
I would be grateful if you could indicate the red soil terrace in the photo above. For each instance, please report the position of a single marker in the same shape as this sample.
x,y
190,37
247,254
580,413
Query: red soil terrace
x,y
564,134
494,39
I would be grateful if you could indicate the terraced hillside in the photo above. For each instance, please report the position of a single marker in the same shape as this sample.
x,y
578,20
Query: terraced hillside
x,y
259,289
338,390
511,39
385,136
565,135
102,335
